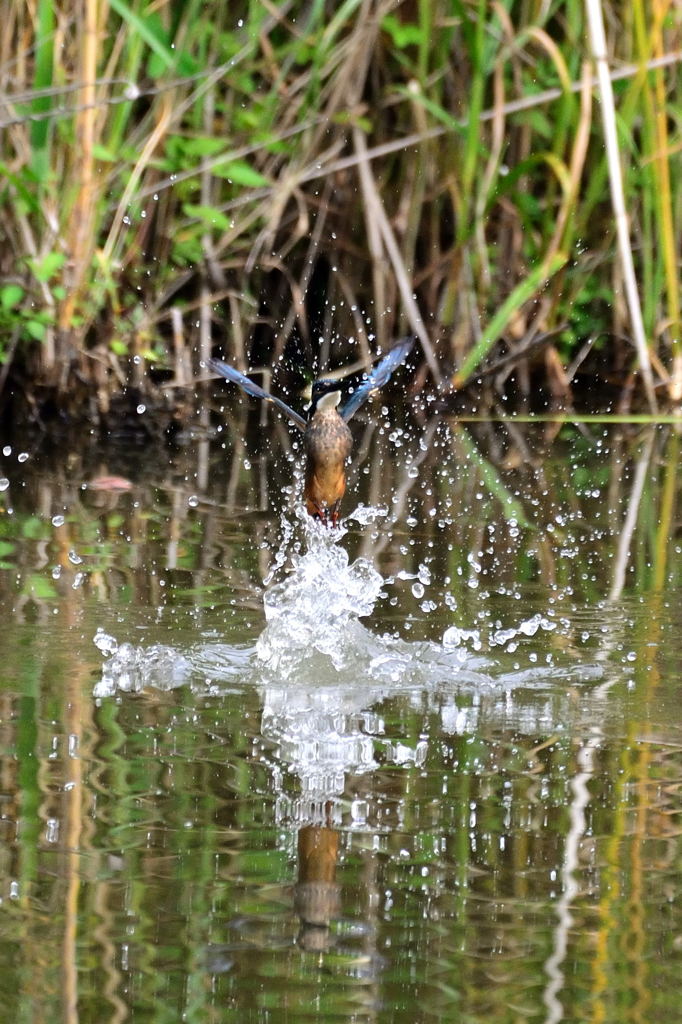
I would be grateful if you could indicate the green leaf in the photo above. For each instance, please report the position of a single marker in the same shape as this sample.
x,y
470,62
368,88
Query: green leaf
x,y
100,152
440,114
203,145
6,548
350,117
209,215
11,295
35,528
240,173
402,34
35,329
524,291
151,31
40,587
43,78
25,196
48,266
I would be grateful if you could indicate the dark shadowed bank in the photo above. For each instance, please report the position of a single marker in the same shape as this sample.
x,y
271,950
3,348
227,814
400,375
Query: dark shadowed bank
x,y
292,186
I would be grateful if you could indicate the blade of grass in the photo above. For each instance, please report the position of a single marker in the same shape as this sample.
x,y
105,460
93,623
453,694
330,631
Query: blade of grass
x,y
164,118
377,212
148,31
472,148
42,80
511,107
521,294
79,234
665,205
600,55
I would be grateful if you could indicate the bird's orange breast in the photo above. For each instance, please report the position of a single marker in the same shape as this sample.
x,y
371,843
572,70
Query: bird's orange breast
x,y
328,443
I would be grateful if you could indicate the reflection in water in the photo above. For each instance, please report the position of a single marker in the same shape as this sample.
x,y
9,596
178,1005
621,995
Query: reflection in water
x,y
318,666
429,772
322,673
570,885
317,895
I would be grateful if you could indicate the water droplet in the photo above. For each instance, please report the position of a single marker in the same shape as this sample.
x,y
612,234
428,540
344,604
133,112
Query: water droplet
x,y
22,457
105,643
4,483
141,408
424,575
193,501
58,520
74,558
7,450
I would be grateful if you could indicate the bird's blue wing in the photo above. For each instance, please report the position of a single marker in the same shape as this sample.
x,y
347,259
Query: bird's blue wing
x,y
229,373
377,377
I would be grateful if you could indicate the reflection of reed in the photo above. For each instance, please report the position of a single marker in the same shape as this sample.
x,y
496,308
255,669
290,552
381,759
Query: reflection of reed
x,y
570,885
452,491
74,828
108,773
453,861
666,516
631,516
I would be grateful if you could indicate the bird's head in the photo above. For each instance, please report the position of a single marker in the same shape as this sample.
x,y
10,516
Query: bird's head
x,y
326,395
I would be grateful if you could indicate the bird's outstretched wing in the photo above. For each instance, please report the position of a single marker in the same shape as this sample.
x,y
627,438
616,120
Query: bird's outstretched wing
x,y
229,373
377,377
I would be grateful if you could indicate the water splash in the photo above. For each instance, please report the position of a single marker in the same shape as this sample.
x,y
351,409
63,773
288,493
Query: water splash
x,y
130,669
313,634
314,612
322,673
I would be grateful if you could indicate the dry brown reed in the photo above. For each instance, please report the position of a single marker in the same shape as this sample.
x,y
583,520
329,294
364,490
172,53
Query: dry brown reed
x,y
260,178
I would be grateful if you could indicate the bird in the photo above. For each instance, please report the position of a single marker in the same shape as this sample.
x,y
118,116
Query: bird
x,y
327,439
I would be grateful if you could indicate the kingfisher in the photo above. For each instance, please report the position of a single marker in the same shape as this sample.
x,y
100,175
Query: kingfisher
x,y
326,436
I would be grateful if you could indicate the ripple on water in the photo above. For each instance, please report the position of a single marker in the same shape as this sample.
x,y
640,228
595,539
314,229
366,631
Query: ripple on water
x,y
322,673
314,637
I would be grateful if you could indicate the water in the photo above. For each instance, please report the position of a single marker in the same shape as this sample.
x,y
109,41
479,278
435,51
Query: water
x,y
429,770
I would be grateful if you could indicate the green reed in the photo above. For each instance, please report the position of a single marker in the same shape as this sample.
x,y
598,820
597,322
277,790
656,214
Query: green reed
x,y
161,161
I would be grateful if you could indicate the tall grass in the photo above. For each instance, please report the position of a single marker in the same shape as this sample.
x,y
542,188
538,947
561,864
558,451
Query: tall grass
x,y
257,177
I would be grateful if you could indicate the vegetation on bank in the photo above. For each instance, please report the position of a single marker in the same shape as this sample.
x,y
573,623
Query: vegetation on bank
x,y
272,179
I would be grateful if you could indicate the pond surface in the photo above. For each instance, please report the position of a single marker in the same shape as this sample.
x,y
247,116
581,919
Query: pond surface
x,y
424,768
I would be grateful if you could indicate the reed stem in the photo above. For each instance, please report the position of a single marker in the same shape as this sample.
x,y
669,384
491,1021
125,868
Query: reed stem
x,y
599,52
